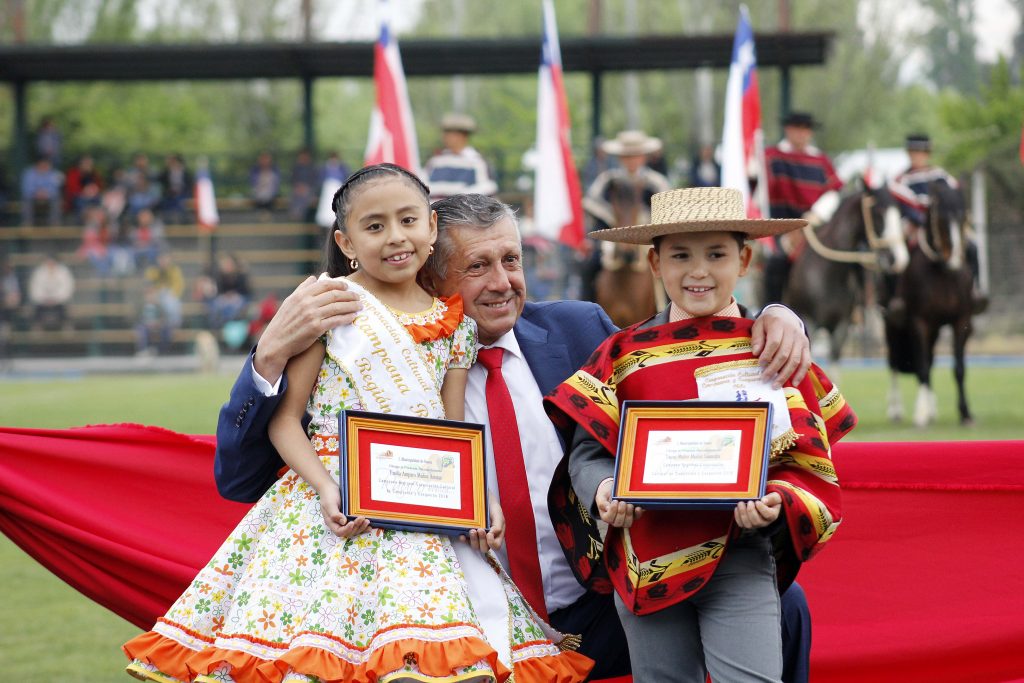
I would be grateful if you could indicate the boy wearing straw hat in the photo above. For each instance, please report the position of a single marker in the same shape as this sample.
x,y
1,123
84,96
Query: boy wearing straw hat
x,y
698,590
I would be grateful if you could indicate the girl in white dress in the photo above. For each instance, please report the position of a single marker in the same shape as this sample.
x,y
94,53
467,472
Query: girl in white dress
x,y
299,592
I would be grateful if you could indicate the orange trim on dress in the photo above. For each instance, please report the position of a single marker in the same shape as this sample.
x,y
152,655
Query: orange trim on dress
x,y
435,325
434,659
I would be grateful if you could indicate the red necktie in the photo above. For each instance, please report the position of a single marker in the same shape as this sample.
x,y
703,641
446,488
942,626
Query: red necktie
x,y
521,531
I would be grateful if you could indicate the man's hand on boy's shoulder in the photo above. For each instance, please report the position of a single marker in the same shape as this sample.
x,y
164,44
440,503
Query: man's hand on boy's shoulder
x,y
780,342
313,308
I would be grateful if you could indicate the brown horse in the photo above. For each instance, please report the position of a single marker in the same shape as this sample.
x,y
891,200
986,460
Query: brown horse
x,y
826,280
625,287
936,291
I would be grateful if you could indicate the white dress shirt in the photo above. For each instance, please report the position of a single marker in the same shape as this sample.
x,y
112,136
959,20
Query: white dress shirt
x,y
541,451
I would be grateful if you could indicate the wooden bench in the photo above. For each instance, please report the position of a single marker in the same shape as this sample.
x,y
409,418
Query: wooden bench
x,y
192,257
74,232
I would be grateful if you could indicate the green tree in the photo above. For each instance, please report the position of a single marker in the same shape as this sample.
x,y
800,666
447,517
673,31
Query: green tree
x,y
986,130
950,44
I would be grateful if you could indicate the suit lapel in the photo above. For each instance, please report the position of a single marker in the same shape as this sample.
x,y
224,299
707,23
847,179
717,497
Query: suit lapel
x,y
549,362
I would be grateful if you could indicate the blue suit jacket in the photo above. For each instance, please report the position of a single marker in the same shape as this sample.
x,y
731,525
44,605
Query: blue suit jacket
x,y
556,338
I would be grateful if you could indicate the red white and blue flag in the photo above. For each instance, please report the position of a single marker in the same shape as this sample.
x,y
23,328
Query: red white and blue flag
x,y
206,201
392,131
557,200
742,136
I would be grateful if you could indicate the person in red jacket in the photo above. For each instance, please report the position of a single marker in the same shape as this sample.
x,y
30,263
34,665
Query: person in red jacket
x,y
799,174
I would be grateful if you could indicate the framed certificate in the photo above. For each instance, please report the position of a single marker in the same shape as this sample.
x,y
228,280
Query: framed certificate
x,y
692,454
413,473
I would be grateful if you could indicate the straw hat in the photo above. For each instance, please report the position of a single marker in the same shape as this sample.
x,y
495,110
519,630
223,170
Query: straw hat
x,y
631,143
462,123
698,209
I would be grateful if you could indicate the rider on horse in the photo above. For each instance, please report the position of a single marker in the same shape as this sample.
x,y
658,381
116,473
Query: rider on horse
x,y
799,175
604,201
912,192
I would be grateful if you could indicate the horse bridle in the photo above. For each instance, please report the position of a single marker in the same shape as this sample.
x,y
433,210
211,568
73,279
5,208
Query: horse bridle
x,y
865,259
933,223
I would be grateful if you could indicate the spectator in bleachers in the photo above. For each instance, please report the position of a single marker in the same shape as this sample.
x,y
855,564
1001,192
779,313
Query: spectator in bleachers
x,y
147,238
115,198
305,187
333,175
143,195
264,182
96,239
167,279
226,291
138,170
49,142
50,288
152,334
83,187
265,311
176,185
335,168
160,313
40,190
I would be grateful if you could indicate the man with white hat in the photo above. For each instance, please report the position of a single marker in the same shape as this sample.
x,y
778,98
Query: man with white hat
x,y
621,195
458,168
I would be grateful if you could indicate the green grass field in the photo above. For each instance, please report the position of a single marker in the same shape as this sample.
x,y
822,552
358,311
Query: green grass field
x,y
48,632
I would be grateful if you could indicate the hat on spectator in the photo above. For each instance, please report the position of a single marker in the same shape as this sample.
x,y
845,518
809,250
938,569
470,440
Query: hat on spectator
x,y
459,123
799,119
698,209
631,143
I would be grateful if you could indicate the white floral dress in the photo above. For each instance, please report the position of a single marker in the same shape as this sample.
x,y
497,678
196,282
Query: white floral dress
x,y
284,599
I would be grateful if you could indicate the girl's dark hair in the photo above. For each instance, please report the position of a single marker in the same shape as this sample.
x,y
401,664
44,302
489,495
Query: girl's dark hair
x,y
335,262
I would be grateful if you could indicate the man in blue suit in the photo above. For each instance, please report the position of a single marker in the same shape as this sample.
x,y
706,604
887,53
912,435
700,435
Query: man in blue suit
x,y
478,254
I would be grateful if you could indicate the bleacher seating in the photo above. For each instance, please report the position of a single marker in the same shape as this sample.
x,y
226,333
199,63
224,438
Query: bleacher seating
x,y
103,311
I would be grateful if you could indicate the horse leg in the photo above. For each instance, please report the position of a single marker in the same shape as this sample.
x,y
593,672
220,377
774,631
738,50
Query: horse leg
x,y
924,407
895,411
961,331
836,340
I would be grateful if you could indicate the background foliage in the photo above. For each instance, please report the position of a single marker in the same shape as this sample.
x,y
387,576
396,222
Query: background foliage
x,y
865,94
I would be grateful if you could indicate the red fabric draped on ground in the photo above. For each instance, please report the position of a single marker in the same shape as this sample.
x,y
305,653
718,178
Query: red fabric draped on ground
x,y
923,583
126,514
925,580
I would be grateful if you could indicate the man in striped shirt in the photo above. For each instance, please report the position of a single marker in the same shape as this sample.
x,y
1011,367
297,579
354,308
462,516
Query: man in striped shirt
x,y
798,175
458,168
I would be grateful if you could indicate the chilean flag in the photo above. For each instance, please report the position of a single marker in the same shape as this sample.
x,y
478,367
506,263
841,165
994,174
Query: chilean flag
x,y
206,201
392,133
742,137
557,201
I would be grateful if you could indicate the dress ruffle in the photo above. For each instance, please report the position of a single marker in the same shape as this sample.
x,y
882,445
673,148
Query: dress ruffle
x,y
538,662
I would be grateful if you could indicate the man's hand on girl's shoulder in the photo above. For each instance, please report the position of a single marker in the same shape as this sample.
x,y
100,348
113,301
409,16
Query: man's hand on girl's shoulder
x,y
313,308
